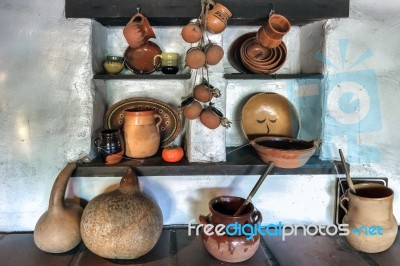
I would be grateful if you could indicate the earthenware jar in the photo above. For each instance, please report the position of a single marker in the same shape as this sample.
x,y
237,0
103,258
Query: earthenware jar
x,y
191,108
204,92
373,227
109,143
211,117
233,247
142,134
217,18
138,30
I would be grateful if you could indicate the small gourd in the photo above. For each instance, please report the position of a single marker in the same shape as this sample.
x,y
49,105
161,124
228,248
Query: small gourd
x,y
57,230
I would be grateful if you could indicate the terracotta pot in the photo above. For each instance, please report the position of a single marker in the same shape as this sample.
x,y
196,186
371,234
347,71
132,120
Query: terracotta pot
x,y
277,26
211,117
142,133
195,58
217,18
235,248
192,32
138,31
204,92
370,207
214,53
266,40
284,152
122,224
57,230
191,108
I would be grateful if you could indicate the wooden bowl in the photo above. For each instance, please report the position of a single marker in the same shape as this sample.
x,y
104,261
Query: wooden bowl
x,y
284,152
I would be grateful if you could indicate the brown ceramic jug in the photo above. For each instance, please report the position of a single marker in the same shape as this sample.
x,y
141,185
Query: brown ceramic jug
x,y
142,133
235,247
138,31
373,227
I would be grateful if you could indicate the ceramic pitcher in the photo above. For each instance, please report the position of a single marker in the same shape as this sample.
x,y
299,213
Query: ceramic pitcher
x,y
138,31
142,134
373,227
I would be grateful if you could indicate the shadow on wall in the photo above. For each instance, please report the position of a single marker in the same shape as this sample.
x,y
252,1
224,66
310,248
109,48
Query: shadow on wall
x,y
198,203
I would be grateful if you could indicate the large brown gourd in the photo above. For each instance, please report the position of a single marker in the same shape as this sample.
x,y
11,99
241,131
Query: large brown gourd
x,y
122,224
57,230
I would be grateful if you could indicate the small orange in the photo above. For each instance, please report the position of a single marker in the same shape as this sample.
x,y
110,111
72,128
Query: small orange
x,y
172,154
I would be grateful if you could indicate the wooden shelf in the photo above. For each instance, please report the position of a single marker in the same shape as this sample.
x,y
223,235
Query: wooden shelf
x,y
273,76
175,12
244,161
144,76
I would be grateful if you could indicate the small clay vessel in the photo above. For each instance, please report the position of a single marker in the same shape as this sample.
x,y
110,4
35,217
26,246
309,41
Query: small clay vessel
x,y
122,224
214,53
217,18
211,117
142,133
370,207
191,108
138,31
230,248
204,92
57,230
195,58
191,32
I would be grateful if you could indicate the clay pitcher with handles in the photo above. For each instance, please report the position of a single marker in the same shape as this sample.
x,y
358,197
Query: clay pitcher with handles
x,y
141,132
138,30
373,227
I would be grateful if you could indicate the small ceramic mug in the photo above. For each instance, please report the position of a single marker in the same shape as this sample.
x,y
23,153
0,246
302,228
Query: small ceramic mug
x,y
167,62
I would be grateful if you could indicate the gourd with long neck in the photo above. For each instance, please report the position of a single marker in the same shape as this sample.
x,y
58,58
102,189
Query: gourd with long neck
x,y
58,229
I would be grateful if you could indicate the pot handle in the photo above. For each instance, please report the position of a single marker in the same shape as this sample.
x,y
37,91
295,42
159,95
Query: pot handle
x,y
159,122
96,142
204,219
256,217
344,197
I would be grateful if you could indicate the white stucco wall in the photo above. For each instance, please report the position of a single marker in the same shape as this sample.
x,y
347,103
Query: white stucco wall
x,y
47,102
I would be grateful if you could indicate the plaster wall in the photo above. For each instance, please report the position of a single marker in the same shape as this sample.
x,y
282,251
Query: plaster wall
x,y
50,110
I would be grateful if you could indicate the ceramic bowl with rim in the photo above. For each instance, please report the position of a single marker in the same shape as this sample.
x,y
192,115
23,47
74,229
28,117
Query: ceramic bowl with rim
x,y
284,152
269,113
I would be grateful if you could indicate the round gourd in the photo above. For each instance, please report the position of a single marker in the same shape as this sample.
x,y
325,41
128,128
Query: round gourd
x,y
122,224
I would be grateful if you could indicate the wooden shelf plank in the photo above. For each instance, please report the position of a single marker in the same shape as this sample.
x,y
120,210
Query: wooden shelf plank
x,y
144,76
244,161
272,76
175,12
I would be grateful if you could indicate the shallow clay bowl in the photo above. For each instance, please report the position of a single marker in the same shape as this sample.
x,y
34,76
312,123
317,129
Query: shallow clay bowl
x,y
282,60
249,59
284,152
140,60
234,52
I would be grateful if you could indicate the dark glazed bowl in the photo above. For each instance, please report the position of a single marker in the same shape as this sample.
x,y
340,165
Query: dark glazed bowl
x,y
284,152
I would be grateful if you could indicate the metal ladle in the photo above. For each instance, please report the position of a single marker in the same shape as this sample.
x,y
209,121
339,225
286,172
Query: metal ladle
x,y
255,188
348,178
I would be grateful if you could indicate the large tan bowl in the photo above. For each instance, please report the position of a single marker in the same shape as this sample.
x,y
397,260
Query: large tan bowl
x,y
284,152
269,113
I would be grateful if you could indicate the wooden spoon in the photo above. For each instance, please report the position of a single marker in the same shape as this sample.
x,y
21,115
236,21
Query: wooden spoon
x,y
255,188
348,178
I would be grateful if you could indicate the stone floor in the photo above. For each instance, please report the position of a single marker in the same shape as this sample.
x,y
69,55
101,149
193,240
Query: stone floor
x,y
175,247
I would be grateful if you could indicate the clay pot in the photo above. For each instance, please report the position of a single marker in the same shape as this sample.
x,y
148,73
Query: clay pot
x,y
195,58
142,133
214,53
122,224
204,92
217,18
277,26
191,108
211,117
370,207
235,248
141,60
191,32
284,152
138,31
265,40
58,229
109,143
